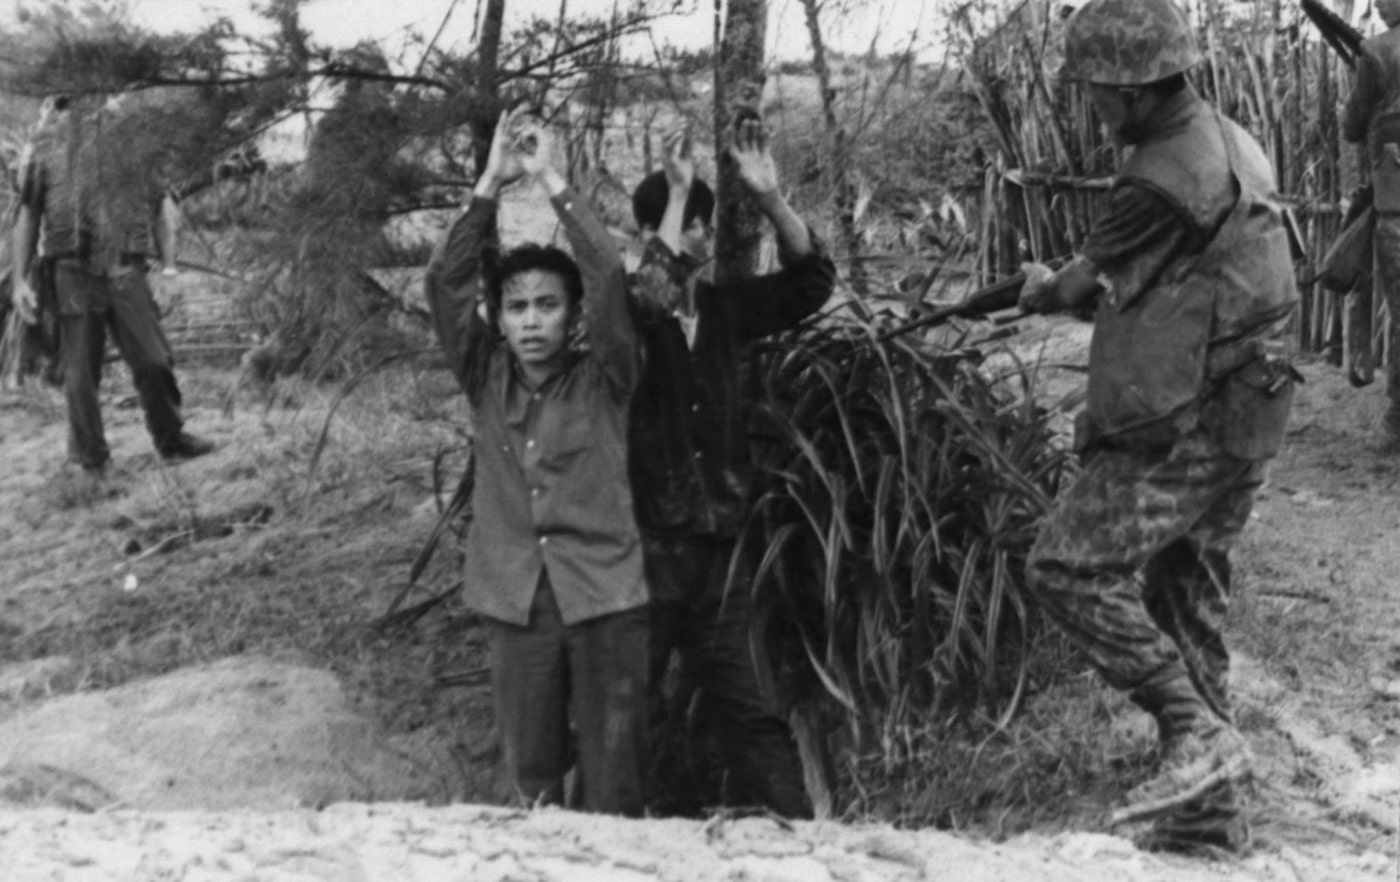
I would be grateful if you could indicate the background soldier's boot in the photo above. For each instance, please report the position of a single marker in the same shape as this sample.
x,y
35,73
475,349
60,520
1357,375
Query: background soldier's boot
x,y
184,446
1390,429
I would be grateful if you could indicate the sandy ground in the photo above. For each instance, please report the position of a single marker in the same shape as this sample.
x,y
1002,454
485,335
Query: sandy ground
x,y
1321,554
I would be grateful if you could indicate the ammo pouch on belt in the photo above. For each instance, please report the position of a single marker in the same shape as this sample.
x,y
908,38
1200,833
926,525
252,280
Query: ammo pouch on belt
x,y
1246,411
1385,162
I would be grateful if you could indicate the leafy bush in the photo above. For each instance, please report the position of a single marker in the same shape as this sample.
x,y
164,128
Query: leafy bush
x,y
900,492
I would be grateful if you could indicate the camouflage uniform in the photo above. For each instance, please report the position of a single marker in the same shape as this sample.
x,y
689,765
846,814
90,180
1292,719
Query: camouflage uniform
x,y
1171,514
1185,406
1372,115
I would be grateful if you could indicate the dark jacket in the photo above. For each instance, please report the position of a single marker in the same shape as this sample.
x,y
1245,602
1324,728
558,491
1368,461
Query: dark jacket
x,y
689,461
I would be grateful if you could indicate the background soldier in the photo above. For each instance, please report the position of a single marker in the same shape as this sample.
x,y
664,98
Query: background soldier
x,y
102,216
1191,269
1373,113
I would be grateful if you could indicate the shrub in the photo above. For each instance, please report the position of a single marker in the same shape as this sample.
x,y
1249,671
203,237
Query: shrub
x,y
899,494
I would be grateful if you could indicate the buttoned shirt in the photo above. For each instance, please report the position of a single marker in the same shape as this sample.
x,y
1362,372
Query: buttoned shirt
x,y
552,491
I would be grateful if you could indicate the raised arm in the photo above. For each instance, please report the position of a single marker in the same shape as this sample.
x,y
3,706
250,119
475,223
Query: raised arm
x,y
748,145
678,161
453,281
611,333
777,301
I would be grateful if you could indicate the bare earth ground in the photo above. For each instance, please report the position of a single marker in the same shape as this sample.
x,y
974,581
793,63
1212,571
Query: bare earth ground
x,y
92,581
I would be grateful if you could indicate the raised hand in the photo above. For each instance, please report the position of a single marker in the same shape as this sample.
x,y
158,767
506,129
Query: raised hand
x,y
534,145
678,159
503,164
748,145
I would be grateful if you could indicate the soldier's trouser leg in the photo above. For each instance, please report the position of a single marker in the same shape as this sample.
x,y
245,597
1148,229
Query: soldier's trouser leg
x,y
82,301
83,343
135,324
1126,509
1186,590
1387,268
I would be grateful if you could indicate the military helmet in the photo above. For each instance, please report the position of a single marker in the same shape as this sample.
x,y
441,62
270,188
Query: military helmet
x,y
1128,43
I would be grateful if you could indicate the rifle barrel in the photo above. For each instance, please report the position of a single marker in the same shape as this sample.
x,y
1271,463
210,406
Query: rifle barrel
x,y
992,298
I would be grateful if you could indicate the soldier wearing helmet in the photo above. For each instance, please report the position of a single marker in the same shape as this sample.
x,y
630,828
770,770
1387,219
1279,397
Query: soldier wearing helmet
x,y
1191,277
1372,115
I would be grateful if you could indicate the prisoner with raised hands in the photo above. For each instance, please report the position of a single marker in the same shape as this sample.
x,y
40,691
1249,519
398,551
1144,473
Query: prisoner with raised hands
x,y
690,461
553,559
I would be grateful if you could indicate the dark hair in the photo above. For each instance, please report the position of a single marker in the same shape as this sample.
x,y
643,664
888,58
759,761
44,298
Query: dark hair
x,y
653,193
497,267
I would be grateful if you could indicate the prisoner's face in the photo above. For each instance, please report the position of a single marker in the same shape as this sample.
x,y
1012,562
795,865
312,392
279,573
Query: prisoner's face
x,y
535,317
695,239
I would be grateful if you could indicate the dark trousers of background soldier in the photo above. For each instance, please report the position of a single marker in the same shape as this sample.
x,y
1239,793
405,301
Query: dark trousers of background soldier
x,y
693,615
90,306
1387,269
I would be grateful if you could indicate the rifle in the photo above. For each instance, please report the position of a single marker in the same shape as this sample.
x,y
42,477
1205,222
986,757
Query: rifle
x,y
993,298
1344,39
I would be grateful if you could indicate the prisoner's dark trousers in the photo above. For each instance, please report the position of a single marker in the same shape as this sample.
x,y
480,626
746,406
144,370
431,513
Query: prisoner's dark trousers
x,y
90,306
693,614
595,672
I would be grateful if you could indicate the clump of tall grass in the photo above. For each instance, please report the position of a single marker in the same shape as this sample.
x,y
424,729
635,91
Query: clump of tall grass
x,y
899,495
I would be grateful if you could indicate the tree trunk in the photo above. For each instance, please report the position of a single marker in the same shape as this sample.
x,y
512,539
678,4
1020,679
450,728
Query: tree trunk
x,y
738,86
838,160
488,103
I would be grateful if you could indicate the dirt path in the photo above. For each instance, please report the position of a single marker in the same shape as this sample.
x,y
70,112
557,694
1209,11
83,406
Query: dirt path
x,y
1318,672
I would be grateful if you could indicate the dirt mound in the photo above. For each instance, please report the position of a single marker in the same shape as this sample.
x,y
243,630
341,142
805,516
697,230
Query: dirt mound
x,y
240,733
405,842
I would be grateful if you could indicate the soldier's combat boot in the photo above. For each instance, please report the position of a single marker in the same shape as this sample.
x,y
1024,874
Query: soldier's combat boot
x,y
1213,823
1389,443
1211,755
1199,750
